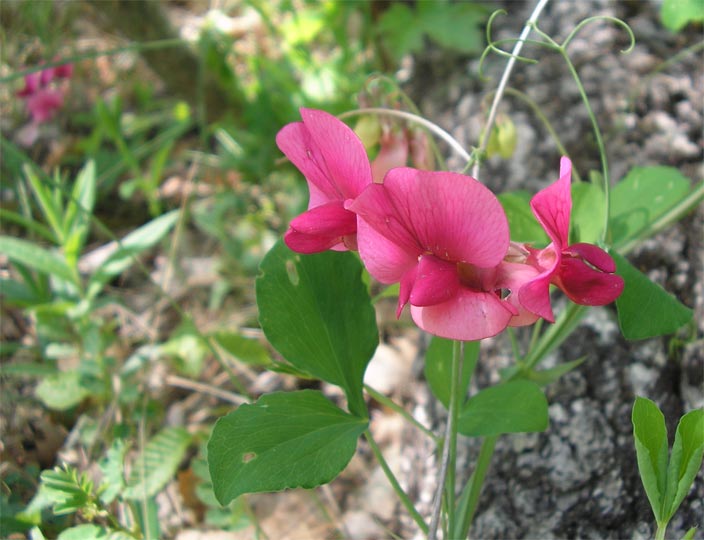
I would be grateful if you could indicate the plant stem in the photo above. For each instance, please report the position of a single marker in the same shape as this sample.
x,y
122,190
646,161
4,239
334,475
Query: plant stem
x,y
391,404
403,497
446,478
504,80
660,533
474,485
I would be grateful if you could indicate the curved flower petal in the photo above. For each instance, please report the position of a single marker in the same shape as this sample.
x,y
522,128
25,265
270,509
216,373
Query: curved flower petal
x,y
512,277
393,153
449,215
386,261
321,228
436,281
586,286
405,288
468,316
535,296
594,255
552,206
328,153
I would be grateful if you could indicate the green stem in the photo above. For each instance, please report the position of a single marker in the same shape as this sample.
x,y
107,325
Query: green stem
x,y
403,497
660,533
391,404
446,478
470,499
599,143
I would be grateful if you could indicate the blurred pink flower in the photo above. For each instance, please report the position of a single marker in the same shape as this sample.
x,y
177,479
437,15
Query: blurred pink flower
x,y
443,236
337,169
43,98
393,152
584,272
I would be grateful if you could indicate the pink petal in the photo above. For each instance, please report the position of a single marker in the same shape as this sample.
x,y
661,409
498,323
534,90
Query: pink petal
x,y
594,255
449,215
405,287
512,277
386,261
63,71
586,286
552,206
44,103
46,76
31,84
321,228
437,281
535,297
467,316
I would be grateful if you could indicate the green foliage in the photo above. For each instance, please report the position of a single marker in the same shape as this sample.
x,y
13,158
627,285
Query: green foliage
x,y
68,491
451,25
503,139
156,464
676,14
521,221
315,310
511,407
644,308
284,440
666,482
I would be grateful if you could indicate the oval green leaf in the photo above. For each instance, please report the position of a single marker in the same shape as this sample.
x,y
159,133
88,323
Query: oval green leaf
x,y
512,407
315,310
284,440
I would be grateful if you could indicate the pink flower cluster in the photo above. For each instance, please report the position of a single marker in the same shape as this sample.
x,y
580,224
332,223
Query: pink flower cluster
x,y
42,95
442,236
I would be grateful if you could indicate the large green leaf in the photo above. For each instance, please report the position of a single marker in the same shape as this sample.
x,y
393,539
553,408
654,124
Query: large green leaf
x,y
511,407
650,435
131,245
438,367
685,460
284,440
644,308
315,310
37,258
644,195
156,464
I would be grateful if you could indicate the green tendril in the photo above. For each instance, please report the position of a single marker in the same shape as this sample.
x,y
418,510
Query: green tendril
x,y
614,20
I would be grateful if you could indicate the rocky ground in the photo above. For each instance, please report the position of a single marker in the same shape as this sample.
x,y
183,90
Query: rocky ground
x,y
579,479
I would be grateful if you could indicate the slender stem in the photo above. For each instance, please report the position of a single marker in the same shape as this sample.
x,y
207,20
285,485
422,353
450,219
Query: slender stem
x,y
504,80
391,404
403,497
433,128
599,143
660,533
475,484
446,478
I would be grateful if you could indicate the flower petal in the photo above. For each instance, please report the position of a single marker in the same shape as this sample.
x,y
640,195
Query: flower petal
x,y
594,255
436,281
586,286
513,276
467,316
328,153
405,287
552,206
321,228
386,261
392,153
535,296
450,215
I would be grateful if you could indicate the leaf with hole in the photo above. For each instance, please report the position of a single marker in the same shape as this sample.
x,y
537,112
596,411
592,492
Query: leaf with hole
x,y
315,310
284,440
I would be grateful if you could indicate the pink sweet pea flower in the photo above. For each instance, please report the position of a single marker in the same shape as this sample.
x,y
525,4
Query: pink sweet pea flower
x,y
443,236
336,167
393,152
43,98
584,272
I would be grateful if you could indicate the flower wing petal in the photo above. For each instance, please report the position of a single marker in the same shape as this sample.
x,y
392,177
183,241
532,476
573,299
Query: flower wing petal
x,y
436,282
585,285
535,296
385,260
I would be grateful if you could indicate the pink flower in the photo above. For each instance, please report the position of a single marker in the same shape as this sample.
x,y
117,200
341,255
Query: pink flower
x,y
42,97
393,152
336,167
584,272
443,236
